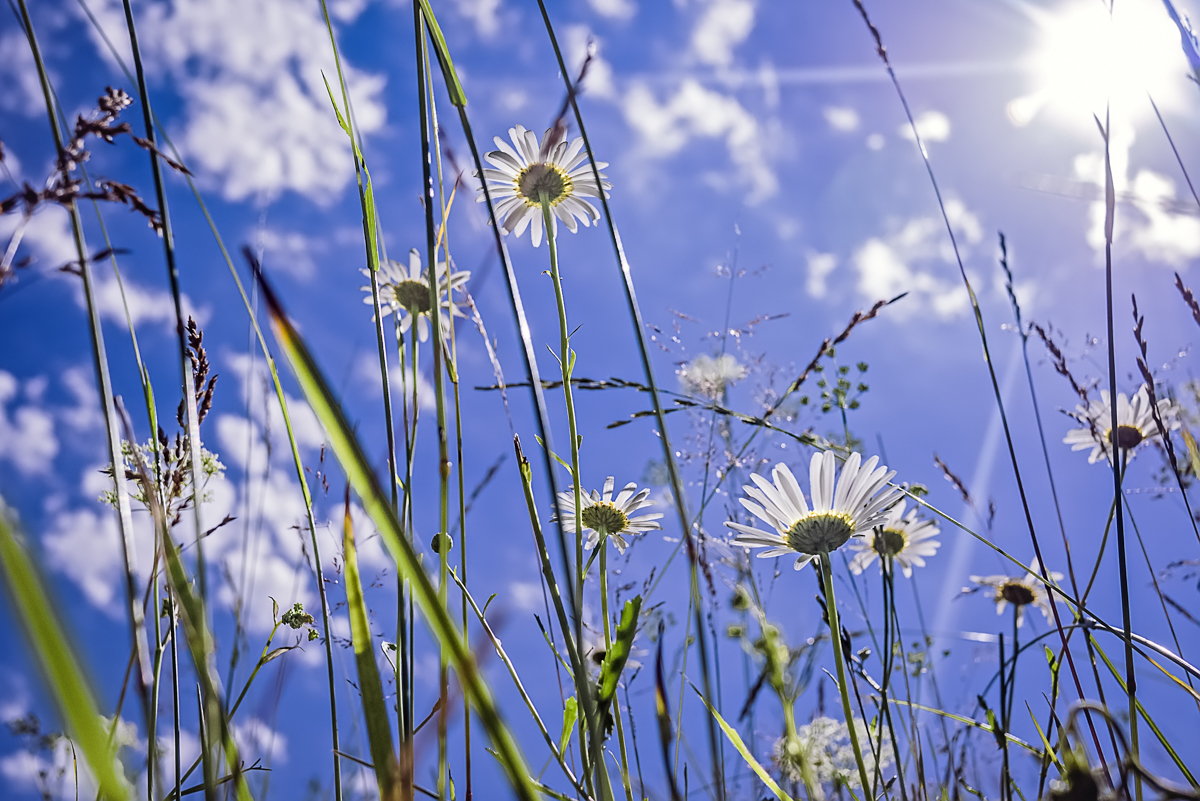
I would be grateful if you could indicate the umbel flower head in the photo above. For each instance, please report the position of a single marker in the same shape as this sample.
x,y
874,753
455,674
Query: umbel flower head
x,y
825,745
602,514
709,376
859,502
1020,592
404,289
906,538
527,173
1135,423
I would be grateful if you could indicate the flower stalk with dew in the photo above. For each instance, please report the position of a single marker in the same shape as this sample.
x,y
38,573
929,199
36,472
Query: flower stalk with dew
x,y
605,517
1135,424
842,507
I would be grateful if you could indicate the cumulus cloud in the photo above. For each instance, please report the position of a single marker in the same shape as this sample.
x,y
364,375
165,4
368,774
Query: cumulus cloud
x,y
614,9
916,257
1148,224
693,111
256,118
20,90
483,14
723,25
27,436
842,118
820,265
257,738
526,595
598,82
933,126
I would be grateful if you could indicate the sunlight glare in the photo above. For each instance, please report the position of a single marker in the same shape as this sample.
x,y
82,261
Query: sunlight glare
x,y
1084,59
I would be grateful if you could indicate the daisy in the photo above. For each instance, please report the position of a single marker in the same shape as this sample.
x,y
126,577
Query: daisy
x,y
709,376
859,503
405,291
1023,592
1135,423
603,515
904,537
527,173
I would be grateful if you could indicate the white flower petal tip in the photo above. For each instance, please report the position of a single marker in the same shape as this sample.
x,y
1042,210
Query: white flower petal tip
x,y
1136,423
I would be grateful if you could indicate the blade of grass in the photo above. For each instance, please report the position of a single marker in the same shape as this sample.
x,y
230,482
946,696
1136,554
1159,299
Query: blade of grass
x,y
736,741
346,447
59,666
379,728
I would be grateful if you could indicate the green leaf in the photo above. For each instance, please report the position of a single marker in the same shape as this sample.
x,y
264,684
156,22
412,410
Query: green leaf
x,y
453,87
60,668
336,110
736,741
379,730
570,713
358,470
617,655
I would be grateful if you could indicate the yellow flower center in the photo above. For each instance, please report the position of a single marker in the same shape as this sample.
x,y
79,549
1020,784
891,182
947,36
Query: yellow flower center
x,y
543,178
1015,593
412,295
820,532
604,518
889,542
1128,437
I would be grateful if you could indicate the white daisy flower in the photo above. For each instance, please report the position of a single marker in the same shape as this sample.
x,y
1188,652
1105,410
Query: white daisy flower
x,y
709,376
602,514
859,503
904,537
405,291
556,170
1135,423
1023,592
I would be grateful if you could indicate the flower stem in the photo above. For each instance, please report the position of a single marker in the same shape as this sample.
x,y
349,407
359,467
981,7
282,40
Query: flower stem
x,y
566,363
835,631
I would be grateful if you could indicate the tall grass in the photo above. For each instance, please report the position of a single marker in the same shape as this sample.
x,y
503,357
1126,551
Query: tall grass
x,y
885,740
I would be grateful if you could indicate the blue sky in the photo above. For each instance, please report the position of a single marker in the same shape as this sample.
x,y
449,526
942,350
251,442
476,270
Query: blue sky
x,y
762,138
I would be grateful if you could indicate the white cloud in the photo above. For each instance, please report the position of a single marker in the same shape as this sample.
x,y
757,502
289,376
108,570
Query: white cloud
x,y
599,79
20,90
1147,225
842,118
876,141
256,118
27,435
917,258
820,265
723,25
85,415
694,111
85,546
366,370
483,14
933,126
526,595
257,738
614,9
289,252
47,234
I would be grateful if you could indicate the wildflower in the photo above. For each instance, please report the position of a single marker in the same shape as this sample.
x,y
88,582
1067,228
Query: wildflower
x,y
1022,592
296,617
859,503
904,537
405,291
603,515
824,746
1135,423
709,376
556,172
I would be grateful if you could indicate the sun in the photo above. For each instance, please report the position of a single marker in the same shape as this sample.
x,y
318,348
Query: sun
x,y
1084,60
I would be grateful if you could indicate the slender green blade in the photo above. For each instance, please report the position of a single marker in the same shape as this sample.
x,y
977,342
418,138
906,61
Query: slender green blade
x,y
60,667
379,730
736,741
614,660
457,96
350,455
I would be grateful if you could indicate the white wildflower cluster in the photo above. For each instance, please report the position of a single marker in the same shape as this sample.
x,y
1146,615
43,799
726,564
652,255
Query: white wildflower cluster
x,y
825,746
709,376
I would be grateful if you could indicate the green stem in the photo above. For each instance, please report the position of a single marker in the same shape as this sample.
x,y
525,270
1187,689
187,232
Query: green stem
x,y
603,546
843,686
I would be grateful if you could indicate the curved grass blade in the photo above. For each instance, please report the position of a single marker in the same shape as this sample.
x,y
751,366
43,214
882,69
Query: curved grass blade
x,y
379,731
345,445
60,667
